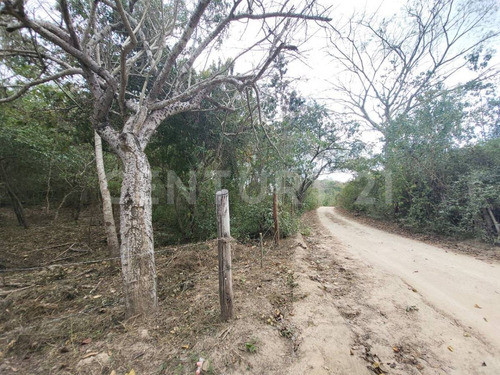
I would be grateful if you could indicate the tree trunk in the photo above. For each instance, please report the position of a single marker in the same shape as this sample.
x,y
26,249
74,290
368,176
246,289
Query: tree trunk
x,y
495,224
77,211
47,194
16,203
107,206
301,192
300,200
136,230
56,216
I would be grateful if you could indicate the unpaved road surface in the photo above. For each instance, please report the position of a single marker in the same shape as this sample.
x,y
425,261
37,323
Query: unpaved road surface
x,y
462,287
372,298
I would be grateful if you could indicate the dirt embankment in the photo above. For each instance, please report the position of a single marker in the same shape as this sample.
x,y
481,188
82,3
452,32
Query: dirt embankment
x,y
472,247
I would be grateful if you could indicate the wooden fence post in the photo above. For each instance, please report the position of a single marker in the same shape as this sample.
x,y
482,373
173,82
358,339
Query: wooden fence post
x,y
276,219
261,250
224,248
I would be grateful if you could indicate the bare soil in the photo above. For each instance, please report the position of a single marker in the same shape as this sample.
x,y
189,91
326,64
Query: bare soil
x,y
412,307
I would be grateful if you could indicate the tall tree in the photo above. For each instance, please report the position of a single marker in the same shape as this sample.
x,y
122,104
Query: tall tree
x,y
317,142
137,60
389,63
306,139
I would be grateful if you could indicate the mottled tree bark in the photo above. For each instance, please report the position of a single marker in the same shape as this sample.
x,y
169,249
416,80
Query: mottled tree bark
x,y
164,95
136,229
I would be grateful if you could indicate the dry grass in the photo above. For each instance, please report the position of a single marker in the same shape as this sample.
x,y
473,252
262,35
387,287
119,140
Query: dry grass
x,y
56,316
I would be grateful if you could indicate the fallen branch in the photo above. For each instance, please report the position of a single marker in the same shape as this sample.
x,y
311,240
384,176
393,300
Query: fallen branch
x,y
5,293
95,288
61,254
50,247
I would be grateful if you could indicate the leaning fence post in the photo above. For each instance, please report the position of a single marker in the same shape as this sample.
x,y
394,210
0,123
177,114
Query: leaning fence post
x,y
224,249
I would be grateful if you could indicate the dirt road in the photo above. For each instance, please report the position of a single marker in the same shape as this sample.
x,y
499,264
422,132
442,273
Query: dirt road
x,y
409,306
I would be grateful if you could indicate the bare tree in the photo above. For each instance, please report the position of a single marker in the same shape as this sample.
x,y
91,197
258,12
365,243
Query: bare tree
x,y
389,63
137,59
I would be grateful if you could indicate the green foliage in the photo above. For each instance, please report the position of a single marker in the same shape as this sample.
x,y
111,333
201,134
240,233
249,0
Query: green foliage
x,y
348,196
432,180
328,191
248,220
309,140
52,136
195,145
289,223
311,200
251,346
45,150
472,191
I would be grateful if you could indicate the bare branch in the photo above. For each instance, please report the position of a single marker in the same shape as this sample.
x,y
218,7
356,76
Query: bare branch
x,y
69,24
146,130
177,49
287,15
37,82
30,53
211,37
385,76
90,23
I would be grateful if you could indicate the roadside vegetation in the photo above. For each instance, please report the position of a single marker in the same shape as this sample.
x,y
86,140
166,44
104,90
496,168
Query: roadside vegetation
x,y
436,175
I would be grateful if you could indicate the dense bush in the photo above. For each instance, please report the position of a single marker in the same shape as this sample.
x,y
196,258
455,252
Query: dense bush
x,y
456,203
48,157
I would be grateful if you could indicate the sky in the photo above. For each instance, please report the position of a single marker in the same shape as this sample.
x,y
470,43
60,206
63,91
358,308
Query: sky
x,y
314,72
